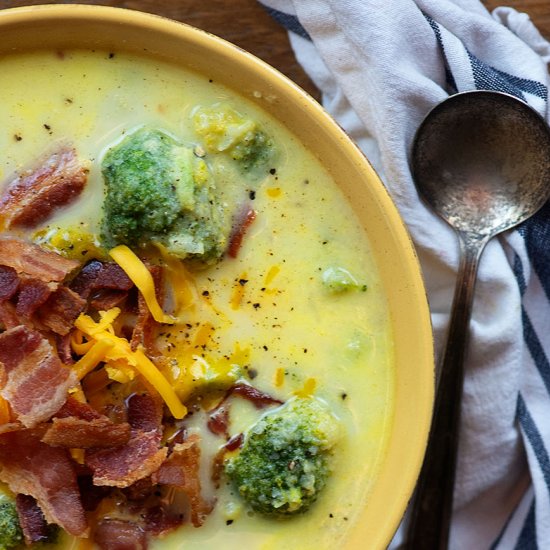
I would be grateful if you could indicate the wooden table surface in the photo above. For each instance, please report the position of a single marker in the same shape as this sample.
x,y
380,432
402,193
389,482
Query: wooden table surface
x,y
247,25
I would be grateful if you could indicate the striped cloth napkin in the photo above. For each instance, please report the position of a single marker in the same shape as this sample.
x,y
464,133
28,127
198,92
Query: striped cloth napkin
x,y
381,66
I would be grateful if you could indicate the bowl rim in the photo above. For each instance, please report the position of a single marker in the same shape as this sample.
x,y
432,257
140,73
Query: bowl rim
x,y
421,339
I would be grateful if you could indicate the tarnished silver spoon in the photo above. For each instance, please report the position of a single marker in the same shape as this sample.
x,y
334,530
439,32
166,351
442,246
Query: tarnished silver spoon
x,y
481,160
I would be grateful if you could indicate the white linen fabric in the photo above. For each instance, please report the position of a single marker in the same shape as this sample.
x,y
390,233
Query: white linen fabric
x,y
381,66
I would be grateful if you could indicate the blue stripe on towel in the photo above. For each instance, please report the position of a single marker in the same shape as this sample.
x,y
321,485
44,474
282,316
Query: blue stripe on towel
x,y
527,539
536,232
535,440
535,349
448,74
489,78
289,22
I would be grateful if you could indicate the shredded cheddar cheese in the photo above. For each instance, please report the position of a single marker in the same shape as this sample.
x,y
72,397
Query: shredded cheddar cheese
x,y
142,278
115,349
88,362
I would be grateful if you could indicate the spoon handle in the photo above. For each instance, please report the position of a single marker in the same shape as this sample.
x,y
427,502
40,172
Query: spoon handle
x,y
432,507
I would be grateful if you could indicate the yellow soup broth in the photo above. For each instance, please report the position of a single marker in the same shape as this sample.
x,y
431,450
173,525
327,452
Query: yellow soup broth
x,y
267,310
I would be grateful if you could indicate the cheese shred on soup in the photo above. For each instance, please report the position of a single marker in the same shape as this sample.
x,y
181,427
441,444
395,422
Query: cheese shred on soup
x,y
196,349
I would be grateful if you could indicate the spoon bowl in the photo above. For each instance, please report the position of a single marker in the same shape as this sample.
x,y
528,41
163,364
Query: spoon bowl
x,y
481,160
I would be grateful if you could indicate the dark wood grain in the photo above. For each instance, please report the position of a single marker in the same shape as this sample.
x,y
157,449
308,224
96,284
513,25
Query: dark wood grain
x,y
246,24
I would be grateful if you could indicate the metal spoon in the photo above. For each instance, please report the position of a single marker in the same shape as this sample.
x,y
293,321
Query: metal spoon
x,y
481,160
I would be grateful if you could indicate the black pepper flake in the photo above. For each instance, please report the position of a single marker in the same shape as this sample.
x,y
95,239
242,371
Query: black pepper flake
x,y
205,293
229,522
256,305
272,171
305,350
17,137
210,80
344,396
252,195
47,126
242,282
111,55
331,515
265,347
252,373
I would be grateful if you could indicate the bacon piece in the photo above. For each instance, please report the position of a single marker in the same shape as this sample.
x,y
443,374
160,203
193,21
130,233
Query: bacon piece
x,y
32,520
33,293
97,275
121,467
107,299
218,421
34,261
141,456
61,310
35,382
259,398
181,470
91,495
75,433
64,351
240,227
8,317
144,331
77,425
117,534
75,408
31,197
144,412
9,282
159,521
46,473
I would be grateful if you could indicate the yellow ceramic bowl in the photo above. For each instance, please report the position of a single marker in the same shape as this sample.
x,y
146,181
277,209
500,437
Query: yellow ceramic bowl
x,y
62,26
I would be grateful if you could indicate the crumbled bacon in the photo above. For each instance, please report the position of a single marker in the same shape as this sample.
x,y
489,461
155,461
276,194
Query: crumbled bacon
x,y
9,282
181,470
144,331
75,408
8,317
46,473
64,351
97,275
259,398
91,495
144,412
32,520
33,293
35,262
35,380
75,433
218,421
141,456
31,197
117,534
121,467
61,310
242,223
159,521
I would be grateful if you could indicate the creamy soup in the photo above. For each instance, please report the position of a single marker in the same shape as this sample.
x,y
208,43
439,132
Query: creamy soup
x,y
268,310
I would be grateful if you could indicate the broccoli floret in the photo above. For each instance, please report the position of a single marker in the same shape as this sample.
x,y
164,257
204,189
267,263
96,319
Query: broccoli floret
x,y
225,130
10,530
158,191
285,460
338,280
